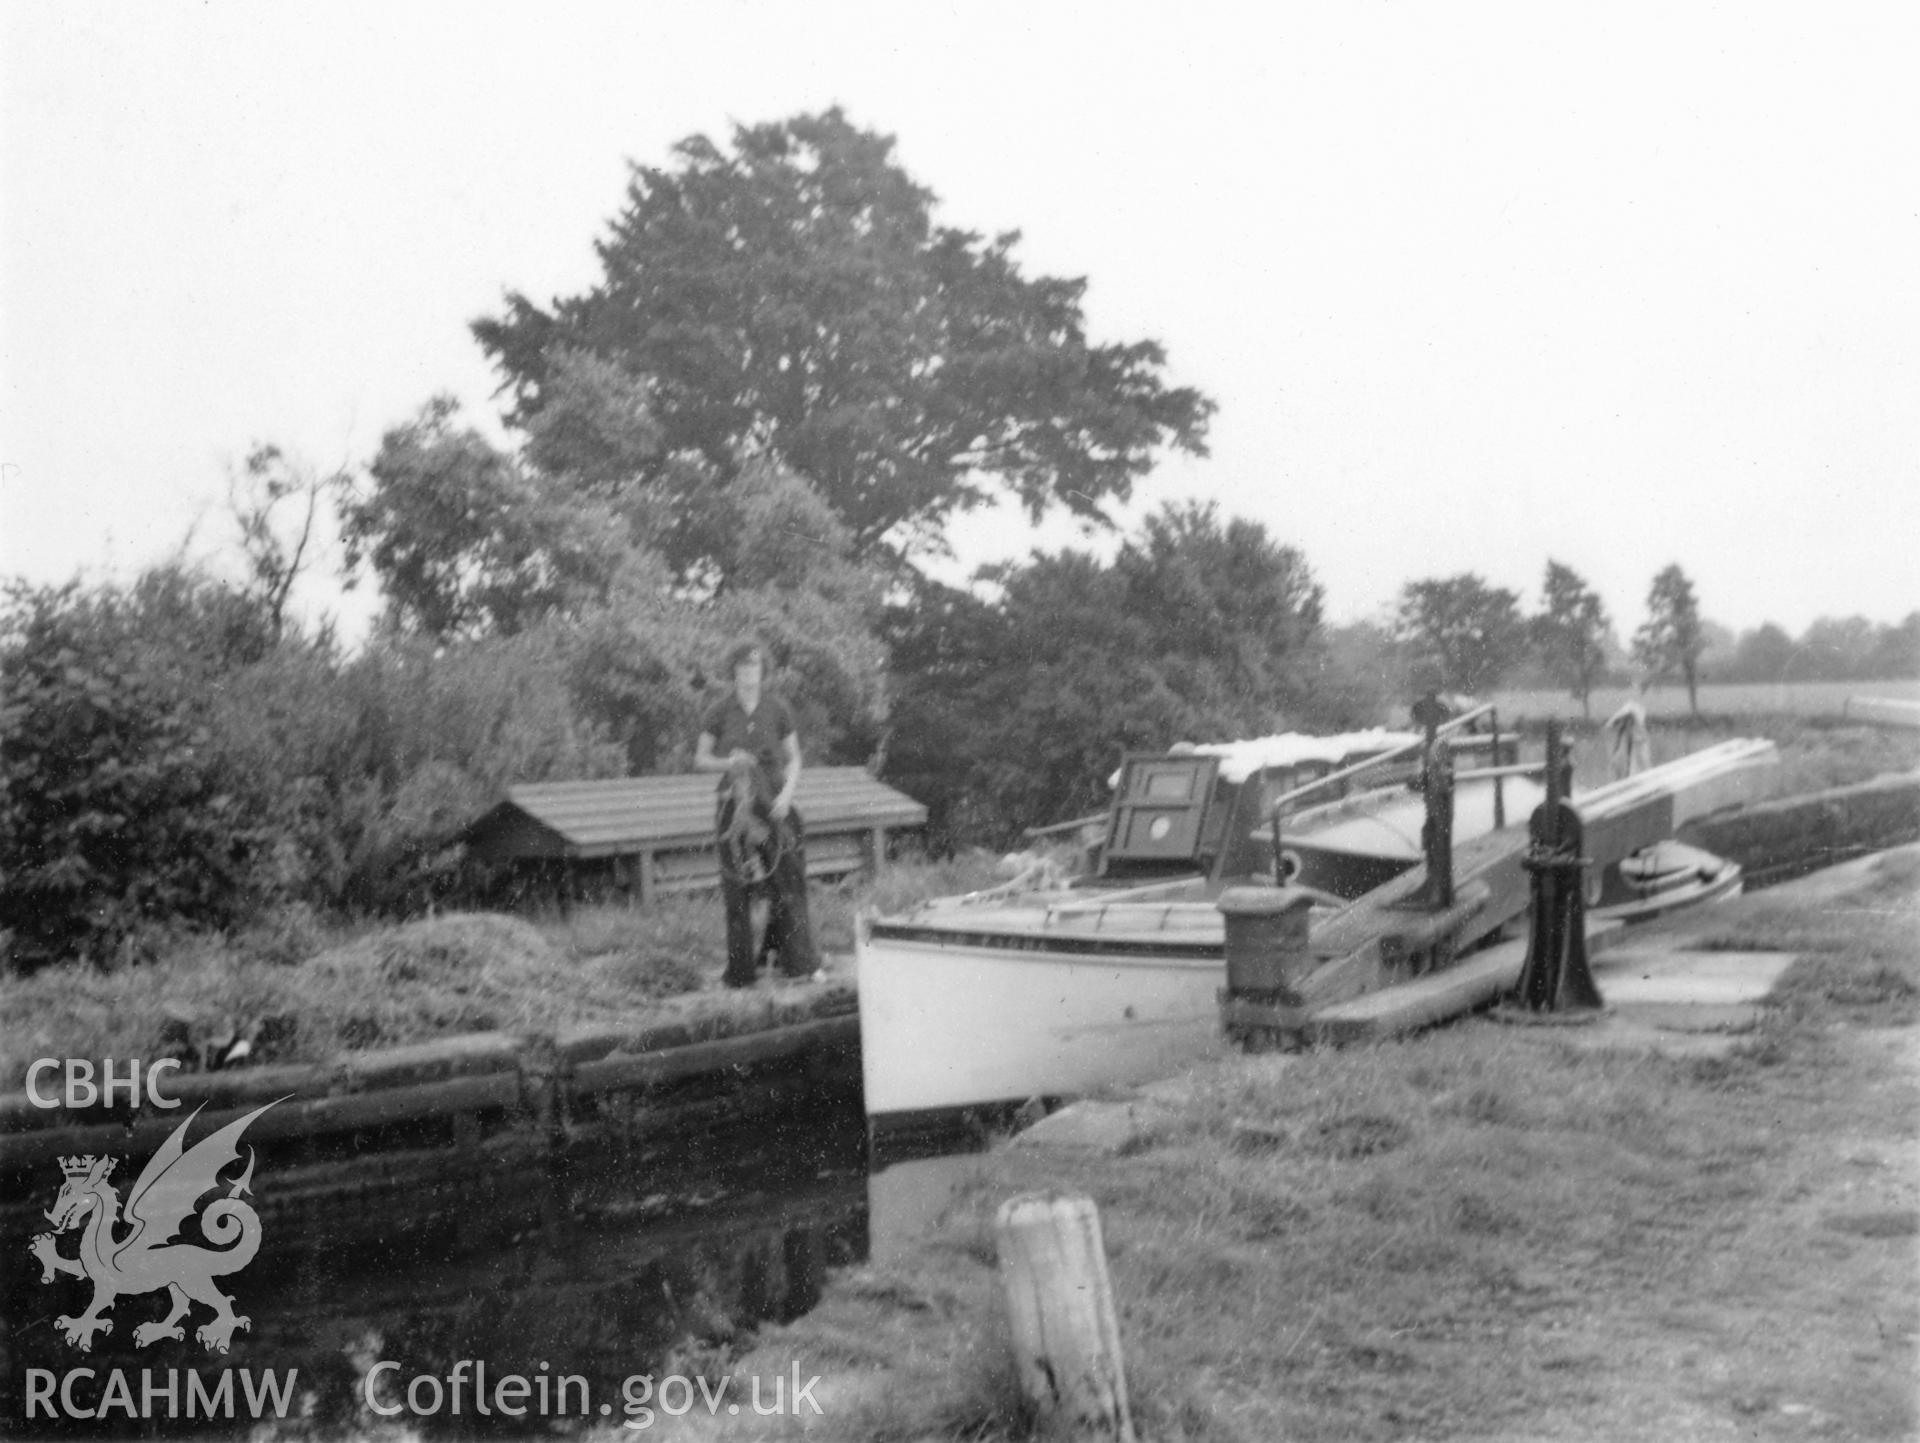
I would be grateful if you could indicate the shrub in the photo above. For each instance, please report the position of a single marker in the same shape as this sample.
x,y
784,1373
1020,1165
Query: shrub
x,y
116,812
364,771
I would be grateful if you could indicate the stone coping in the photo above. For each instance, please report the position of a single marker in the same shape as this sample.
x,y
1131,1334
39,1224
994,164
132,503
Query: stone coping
x,y
523,1072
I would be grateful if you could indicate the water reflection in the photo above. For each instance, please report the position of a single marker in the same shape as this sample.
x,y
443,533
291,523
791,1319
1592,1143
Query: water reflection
x,y
597,1266
906,1199
594,1266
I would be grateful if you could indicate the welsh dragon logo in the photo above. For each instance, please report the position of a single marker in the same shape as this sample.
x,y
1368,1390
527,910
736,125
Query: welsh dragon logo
x,y
137,1252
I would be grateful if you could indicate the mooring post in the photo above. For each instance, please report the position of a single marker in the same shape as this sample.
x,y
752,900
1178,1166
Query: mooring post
x,y
1066,1336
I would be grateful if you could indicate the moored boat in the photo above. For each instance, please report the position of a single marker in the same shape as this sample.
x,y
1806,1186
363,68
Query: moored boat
x,y
1002,995
1007,994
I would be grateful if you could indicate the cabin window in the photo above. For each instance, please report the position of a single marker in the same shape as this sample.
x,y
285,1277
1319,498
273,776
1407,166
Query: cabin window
x,y
1169,784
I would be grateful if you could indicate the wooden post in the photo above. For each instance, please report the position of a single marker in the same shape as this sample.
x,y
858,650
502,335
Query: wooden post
x,y
1066,1337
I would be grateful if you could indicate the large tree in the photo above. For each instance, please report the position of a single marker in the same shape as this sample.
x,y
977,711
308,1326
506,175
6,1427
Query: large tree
x,y
1471,632
1672,637
791,295
1570,632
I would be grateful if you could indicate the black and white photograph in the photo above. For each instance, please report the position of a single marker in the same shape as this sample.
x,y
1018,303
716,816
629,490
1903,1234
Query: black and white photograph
x,y
984,721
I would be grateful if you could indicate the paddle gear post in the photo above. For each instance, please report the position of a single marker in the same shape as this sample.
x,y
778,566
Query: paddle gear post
x,y
1557,977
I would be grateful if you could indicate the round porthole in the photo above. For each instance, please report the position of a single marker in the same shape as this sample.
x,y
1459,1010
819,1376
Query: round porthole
x,y
1289,864
1158,828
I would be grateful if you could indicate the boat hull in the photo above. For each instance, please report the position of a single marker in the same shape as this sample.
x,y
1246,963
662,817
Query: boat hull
x,y
1667,877
948,1021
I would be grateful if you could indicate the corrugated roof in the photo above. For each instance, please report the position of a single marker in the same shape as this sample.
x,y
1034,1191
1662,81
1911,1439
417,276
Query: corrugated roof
x,y
631,814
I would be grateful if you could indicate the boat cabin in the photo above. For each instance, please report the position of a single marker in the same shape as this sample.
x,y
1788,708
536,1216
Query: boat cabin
x,y
1208,811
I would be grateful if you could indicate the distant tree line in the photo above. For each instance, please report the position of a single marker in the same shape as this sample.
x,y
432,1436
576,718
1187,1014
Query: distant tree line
x,y
788,379
1473,637
1849,648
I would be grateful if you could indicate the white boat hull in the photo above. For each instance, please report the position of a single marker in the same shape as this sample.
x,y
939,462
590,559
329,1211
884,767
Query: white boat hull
x,y
948,1023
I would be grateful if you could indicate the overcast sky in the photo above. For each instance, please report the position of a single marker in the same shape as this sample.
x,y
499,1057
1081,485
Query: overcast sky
x,y
1473,285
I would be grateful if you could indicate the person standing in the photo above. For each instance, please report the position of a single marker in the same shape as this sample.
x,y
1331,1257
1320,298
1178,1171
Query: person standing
x,y
749,736
1629,747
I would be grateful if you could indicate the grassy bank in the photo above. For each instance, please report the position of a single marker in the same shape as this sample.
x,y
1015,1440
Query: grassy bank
x,y
1815,754
1484,1232
313,991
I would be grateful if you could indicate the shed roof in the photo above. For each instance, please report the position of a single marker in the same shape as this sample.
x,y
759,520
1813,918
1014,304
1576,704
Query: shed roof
x,y
632,814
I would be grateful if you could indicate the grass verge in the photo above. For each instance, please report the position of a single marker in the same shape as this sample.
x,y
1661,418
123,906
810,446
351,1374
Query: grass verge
x,y
321,991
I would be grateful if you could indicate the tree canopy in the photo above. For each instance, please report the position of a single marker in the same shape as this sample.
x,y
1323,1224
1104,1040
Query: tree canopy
x,y
1472,632
1672,637
465,540
113,814
1013,712
1570,632
790,295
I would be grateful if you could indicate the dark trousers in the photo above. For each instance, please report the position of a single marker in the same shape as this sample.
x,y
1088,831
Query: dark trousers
x,y
789,931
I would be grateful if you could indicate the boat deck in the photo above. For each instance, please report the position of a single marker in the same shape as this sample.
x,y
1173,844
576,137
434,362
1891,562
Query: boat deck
x,y
1387,824
1168,915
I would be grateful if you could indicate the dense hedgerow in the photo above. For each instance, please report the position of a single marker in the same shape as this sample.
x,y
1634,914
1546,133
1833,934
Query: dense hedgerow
x,y
168,764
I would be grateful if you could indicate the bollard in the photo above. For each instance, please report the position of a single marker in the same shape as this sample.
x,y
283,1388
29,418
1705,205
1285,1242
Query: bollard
x,y
1267,952
1066,1337
1266,931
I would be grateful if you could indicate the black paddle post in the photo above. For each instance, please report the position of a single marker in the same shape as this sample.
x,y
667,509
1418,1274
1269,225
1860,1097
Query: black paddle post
x,y
1557,977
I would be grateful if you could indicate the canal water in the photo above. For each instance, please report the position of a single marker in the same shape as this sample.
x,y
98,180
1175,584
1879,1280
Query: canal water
x,y
598,1268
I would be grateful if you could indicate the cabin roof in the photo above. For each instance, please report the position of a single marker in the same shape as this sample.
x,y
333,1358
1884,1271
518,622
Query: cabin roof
x,y
625,815
1241,759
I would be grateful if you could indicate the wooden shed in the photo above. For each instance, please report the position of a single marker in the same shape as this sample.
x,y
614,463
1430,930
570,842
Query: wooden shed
x,y
649,835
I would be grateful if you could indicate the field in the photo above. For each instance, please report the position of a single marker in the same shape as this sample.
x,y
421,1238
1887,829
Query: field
x,y
1805,698
1815,752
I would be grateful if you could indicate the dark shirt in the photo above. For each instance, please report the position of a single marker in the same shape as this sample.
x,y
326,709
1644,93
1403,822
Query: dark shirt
x,y
764,733
1432,710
